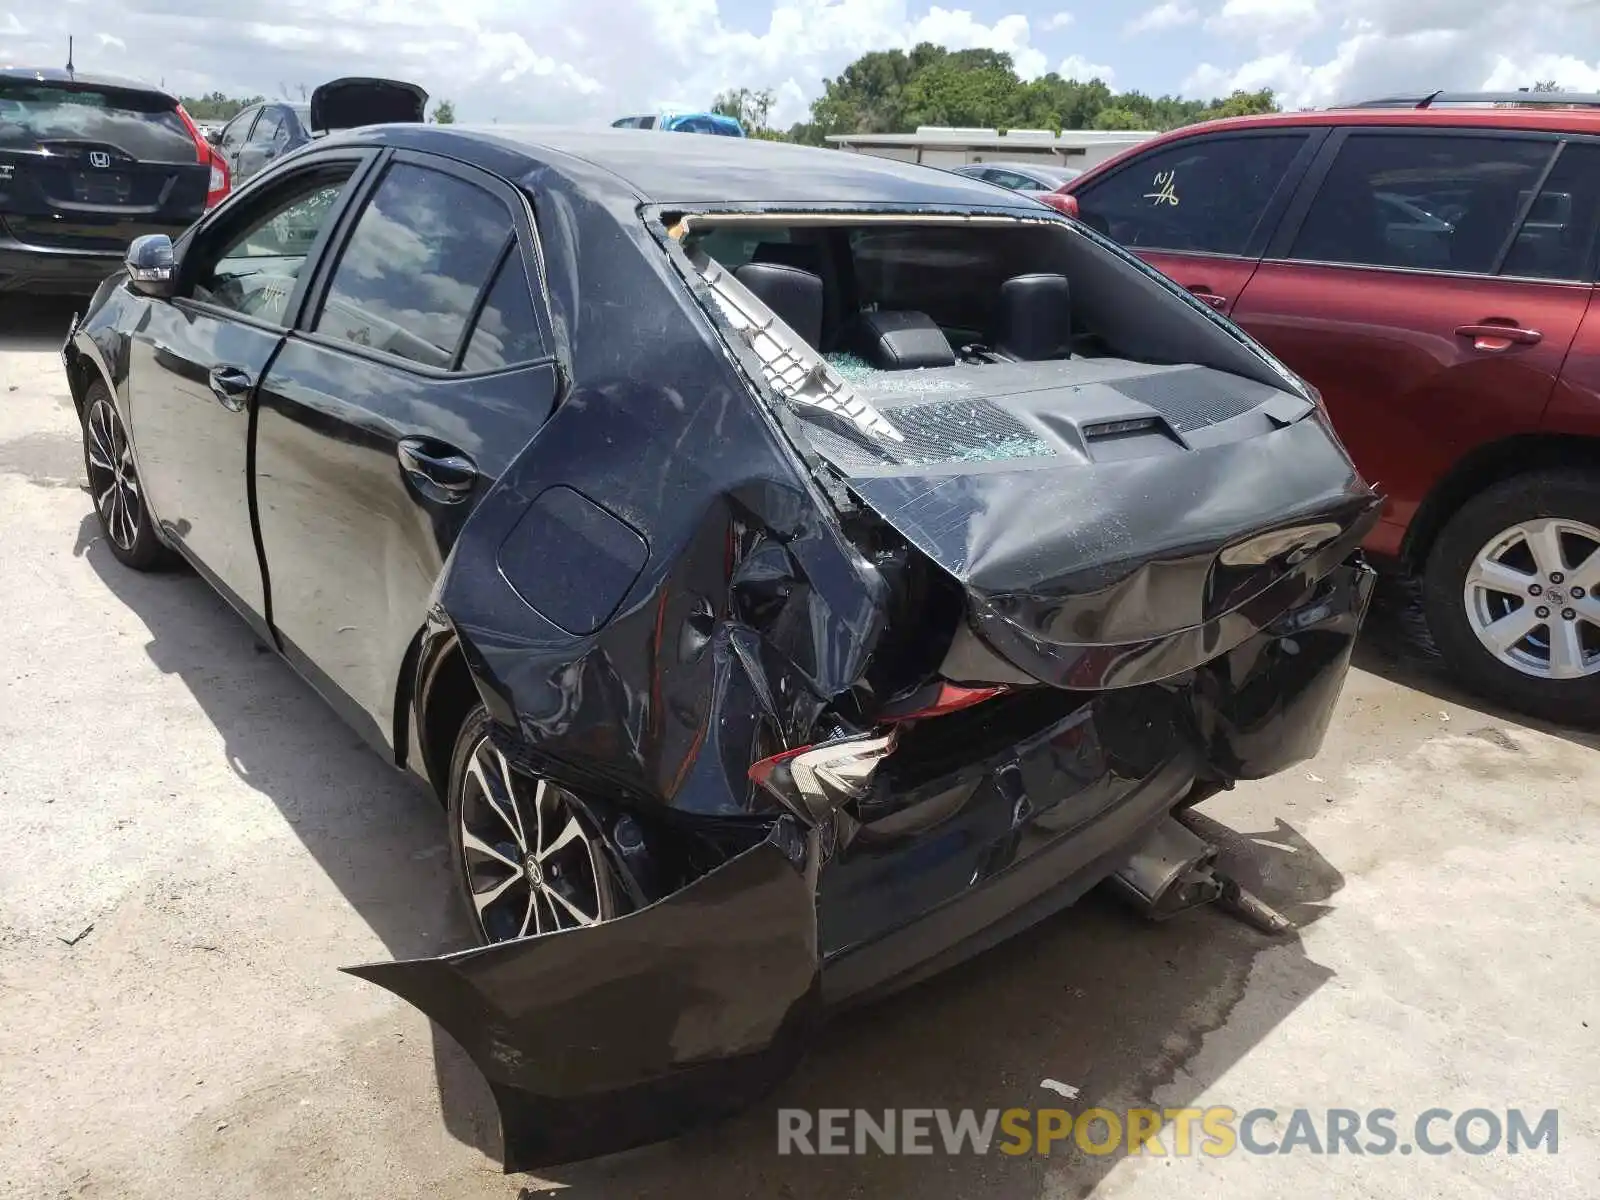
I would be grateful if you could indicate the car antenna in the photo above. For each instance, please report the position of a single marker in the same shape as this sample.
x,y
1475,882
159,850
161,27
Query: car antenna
x,y
70,69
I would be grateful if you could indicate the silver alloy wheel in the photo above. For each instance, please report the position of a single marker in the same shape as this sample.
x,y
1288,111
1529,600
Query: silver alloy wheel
x,y
534,863
113,482
1533,598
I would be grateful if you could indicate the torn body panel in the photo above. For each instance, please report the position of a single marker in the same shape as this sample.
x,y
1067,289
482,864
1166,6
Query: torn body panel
x,y
953,855
602,1039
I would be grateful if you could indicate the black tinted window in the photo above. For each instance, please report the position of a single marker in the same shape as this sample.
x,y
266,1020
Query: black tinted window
x,y
1557,238
1424,202
1205,194
144,126
411,273
268,128
507,331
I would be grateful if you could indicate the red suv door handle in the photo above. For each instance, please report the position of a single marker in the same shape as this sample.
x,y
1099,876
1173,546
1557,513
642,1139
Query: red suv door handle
x,y
1493,337
1202,292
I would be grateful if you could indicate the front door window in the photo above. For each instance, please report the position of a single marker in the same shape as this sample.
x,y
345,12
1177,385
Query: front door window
x,y
254,269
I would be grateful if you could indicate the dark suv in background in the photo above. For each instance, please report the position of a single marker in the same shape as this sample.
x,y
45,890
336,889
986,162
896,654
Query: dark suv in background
x,y
1428,263
87,164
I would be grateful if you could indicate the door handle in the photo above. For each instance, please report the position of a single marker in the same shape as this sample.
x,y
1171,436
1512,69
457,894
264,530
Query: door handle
x,y
440,472
1203,292
230,385
1494,336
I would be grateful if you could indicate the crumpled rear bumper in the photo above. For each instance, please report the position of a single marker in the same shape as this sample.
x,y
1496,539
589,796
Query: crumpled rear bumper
x,y
600,1039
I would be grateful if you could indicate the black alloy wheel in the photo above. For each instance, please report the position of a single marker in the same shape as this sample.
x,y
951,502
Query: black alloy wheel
x,y
115,487
529,854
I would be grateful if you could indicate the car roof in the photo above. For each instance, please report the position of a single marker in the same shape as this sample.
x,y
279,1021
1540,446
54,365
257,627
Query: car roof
x,y
1543,119
60,75
714,171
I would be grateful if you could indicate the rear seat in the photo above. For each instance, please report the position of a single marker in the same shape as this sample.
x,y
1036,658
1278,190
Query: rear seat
x,y
893,340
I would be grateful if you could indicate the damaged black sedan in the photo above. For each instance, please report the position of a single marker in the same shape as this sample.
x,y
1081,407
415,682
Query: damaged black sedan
x,y
794,571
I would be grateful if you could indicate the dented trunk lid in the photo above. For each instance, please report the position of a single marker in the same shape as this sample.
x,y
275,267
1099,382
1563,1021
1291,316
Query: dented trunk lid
x,y
1113,523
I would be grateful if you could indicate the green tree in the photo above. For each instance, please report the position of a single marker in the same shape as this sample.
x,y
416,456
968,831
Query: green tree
x,y
214,106
1548,85
748,106
444,113
1243,104
894,91
952,92
1117,117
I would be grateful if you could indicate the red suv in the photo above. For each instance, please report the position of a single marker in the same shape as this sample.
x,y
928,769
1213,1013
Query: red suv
x,y
1429,265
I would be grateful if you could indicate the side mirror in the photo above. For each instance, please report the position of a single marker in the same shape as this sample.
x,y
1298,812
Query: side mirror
x,y
151,267
1066,205
214,136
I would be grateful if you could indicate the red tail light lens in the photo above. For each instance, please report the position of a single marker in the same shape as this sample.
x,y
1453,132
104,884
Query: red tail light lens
x,y
939,699
217,189
1064,204
217,185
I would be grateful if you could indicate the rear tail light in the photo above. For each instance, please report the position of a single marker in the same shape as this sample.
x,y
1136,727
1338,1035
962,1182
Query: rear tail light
x,y
217,186
815,781
217,189
938,699
1064,204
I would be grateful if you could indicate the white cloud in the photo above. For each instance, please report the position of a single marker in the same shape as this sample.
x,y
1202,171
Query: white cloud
x,y
1075,66
592,60
1162,17
1266,21
1390,46
1571,74
957,29
558,60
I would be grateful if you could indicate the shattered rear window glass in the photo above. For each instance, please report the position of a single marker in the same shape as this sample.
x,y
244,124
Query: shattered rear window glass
x,y
844,425
935,433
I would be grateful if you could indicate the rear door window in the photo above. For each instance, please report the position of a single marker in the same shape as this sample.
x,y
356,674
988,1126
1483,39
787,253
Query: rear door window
x,y
1204,194
1430,202
506,331
270,132
1557,238
409,278
141,125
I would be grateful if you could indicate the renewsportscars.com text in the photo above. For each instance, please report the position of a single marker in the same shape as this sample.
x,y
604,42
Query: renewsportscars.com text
x,y
1153,1132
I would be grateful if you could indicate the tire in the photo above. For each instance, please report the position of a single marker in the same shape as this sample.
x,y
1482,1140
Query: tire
x,y
118,494
569,883
1495,564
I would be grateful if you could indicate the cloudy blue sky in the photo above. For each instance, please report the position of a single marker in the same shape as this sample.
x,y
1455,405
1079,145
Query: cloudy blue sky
x,y
590,60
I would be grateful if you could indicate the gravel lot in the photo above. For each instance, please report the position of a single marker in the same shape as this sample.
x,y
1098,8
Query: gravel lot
x,y
196,845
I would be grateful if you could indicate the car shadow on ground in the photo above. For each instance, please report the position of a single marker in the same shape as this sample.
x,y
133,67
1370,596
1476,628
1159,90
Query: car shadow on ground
x,y
377,833
1395,645
1095,997
37,322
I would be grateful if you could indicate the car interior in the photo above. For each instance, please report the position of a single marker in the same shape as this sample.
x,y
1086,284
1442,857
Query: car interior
x,y
886,299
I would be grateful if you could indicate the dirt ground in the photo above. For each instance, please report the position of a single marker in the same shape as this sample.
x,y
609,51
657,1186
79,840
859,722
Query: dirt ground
x,y
195,846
